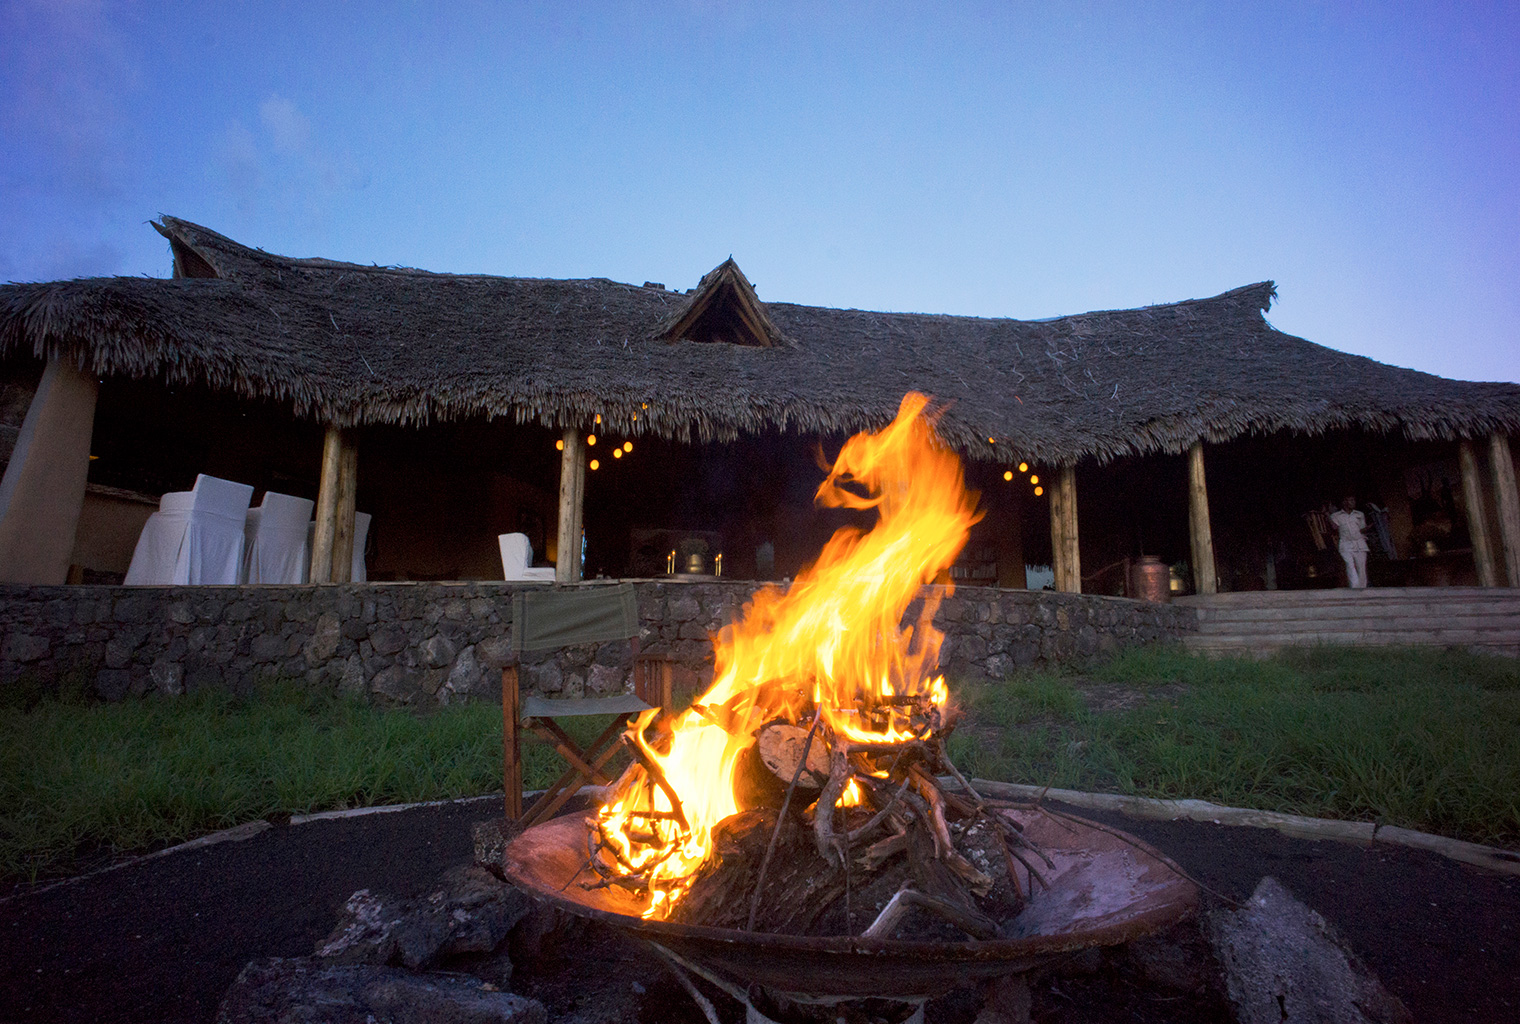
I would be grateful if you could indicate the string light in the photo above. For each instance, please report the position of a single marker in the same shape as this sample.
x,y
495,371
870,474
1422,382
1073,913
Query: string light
x,y
598,417
617,453
992,440
627,446
1023,467
591,439
1008,475
595,464
1039,491
1034,479
559,446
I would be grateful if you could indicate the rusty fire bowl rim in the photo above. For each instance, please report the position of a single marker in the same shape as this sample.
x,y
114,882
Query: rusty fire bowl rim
x,y
548,861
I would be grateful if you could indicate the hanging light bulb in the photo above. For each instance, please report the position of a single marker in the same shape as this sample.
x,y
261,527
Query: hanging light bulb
x,y
1008,474
1023,467
591,439
598,417
1039,491
559,446
1034,479
617,453
595,464
627,446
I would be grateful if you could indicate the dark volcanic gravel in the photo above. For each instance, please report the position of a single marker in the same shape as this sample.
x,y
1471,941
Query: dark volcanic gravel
x,y
161,940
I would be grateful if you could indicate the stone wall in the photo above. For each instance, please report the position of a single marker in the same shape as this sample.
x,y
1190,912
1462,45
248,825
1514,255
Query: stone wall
x,y
427,643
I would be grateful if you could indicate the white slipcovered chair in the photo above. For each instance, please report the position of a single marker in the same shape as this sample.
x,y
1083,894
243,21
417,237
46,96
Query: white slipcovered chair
x,y
195,537
517,559
358,571
275,546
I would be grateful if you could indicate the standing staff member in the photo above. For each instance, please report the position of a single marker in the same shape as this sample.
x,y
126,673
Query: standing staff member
x,y
1351,537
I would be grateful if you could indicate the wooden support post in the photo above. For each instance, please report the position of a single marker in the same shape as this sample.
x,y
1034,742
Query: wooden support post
x,y
572,495
1502,463
1066,558
42,492
1477,517
511,743
326,522
343,515
1205,579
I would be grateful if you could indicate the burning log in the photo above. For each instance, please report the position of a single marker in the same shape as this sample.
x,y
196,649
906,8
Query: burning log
x,y
801,791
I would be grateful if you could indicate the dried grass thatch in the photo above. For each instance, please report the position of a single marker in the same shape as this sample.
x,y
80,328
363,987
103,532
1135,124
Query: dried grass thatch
x,y
353,344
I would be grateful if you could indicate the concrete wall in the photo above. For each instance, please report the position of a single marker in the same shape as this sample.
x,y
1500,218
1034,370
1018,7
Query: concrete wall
x,y
435,643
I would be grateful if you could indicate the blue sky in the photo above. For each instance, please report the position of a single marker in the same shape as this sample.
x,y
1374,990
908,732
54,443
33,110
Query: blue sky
x,y
1009,159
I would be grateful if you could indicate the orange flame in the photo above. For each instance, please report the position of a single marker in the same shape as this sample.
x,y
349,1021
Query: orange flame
x,y
833,645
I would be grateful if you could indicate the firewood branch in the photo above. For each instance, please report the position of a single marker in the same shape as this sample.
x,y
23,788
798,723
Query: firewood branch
x,y
975,925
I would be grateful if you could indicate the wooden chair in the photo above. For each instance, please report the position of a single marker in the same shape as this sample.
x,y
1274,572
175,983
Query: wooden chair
x,y
549,620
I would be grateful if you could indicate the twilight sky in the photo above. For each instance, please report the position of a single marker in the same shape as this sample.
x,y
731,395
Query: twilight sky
x,y
998,159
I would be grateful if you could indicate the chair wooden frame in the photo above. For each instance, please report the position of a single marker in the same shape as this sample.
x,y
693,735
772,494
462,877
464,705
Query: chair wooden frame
x,y
652,678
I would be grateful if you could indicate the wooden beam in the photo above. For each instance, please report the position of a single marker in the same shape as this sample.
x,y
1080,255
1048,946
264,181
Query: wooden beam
x,y
1502,463
327,507
511,743
1477,519
1066,558
1200,531
343,515
572,496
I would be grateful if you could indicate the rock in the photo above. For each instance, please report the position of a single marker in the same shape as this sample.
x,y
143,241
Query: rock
x,y
494,652
396,682
113,684
324,640
299,990
1285,964
168,678
472,912
438,651
491,838
605,679
466,675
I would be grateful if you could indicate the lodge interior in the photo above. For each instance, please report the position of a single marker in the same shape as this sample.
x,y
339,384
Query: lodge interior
x,y
440,494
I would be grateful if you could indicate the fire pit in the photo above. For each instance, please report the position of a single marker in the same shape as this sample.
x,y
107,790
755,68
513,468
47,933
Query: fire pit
x,y
1107,888
802,827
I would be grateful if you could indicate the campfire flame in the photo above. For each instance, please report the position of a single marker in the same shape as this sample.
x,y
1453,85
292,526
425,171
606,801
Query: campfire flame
x,y
829,652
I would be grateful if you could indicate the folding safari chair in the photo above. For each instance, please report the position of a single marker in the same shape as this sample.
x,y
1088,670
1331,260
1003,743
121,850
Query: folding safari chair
x,y
550,619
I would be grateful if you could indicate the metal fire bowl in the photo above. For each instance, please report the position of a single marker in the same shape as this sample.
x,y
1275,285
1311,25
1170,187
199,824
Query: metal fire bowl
x,y
1107,888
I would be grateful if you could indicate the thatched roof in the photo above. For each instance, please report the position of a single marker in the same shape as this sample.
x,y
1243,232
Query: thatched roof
x,y
363,344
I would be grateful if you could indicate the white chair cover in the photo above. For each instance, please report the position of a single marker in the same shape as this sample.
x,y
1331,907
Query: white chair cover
x,y
195,537
275,539
517,558
361,534
358,571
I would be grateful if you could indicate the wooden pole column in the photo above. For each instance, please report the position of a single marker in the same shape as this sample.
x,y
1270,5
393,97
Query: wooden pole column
x,y
1477,518
1508,499
1065,556
1200,532
42,492
332,543
572,495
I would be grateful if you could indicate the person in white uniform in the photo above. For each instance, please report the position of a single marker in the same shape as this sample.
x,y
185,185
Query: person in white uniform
x,y
1351,538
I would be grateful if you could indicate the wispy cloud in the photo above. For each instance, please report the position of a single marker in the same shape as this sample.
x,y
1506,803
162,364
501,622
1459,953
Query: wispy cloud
x,y
281,166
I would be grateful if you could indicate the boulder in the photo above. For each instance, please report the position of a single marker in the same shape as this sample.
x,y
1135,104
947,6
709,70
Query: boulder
x,y
1285,964
472,911
306,990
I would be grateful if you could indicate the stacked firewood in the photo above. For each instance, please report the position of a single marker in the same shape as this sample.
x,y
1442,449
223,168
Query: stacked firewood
x,y
918,853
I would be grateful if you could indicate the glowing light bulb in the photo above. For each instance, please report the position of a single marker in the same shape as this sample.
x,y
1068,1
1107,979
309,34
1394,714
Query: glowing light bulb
x,y
627,446
598,417
1039,491
595,464
1008,475
1023,467
992,440
617,453
591,439
1034,479
559,446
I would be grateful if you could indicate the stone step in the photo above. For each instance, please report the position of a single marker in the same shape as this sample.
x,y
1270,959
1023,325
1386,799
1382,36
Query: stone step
x,y
1345,595
1369,611
1262,646
1502,623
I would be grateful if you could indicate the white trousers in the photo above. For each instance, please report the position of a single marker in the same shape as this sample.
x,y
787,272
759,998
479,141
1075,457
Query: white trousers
x,y
1356,567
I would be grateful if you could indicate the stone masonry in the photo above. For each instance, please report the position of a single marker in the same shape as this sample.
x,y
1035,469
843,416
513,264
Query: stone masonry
x,y
436,643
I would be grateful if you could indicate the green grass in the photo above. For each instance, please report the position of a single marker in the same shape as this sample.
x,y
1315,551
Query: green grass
x,y
81,782
1425,739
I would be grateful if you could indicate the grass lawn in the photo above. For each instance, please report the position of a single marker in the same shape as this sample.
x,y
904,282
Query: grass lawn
x,y
1424,739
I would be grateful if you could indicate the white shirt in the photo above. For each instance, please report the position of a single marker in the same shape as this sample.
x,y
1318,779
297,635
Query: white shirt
x,y
1350,525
